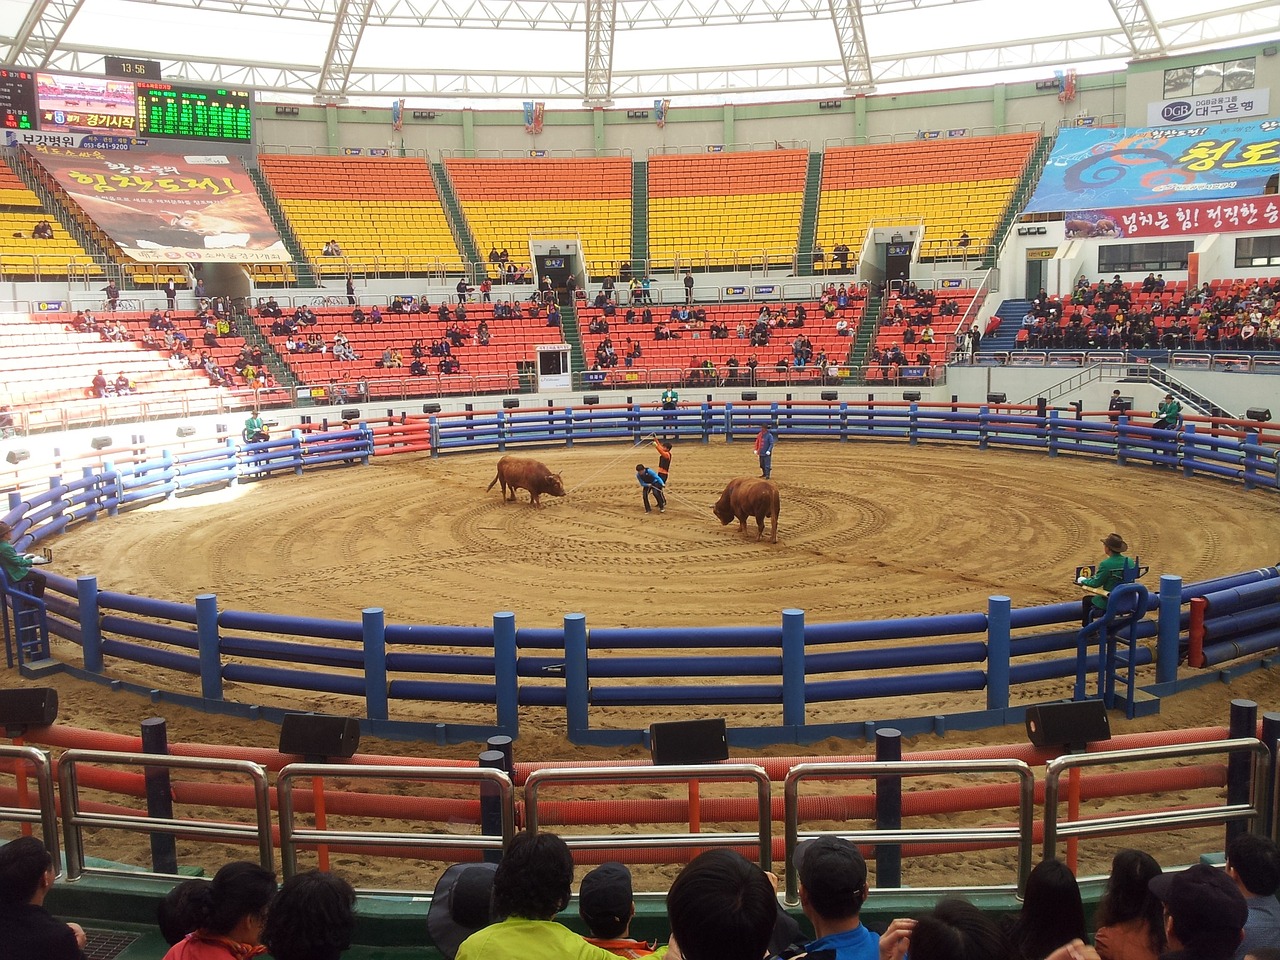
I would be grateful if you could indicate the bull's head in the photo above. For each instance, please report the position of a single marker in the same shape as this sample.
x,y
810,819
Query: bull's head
x,y
723,511
555,485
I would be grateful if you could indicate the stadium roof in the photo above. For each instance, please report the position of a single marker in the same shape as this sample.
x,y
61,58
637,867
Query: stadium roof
x,y
598,52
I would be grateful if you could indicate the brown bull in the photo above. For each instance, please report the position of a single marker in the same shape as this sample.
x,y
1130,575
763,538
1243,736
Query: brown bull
x,y
749,497
522,473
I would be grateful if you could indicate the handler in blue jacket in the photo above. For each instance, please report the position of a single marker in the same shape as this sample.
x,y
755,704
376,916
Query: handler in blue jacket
x,y
650,482
764,450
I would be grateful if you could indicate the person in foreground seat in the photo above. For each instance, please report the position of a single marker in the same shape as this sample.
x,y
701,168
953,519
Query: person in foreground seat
x,y
27,929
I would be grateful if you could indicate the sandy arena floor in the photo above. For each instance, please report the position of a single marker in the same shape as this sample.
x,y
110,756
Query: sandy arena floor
x,y
867,530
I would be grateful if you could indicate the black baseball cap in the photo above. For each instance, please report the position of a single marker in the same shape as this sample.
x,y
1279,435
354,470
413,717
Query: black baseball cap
x,y
833,873
1202,896
604,898
460,905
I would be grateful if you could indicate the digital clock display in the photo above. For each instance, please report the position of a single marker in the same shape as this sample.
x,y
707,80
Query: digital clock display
x,y
191,113
17,99
131,68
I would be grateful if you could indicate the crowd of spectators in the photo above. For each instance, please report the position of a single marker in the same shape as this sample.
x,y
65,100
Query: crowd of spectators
x,y
1151,315
720,907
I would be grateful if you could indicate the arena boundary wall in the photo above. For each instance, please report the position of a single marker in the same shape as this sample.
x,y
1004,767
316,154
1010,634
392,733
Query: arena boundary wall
x,y
374,665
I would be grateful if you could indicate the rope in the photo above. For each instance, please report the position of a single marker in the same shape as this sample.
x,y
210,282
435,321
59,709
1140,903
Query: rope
x,y
608,466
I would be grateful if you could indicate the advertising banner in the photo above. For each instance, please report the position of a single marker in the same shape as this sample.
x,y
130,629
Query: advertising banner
x,y
1210,108
1176,219
169,207
1128,167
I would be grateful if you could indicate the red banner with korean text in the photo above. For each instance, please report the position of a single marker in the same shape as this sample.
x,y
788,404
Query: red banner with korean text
x,y
162,207
1175,219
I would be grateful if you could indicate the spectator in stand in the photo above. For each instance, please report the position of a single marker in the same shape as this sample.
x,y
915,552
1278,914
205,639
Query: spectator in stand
x,y
606,907
122,386
482,333
688,286
43,230
99,386
721,907
171,293
231,913
953,930
833,887
1205,913
351,291
1129,918
1253,864
178,913
531,885
1052,912
29,931
460,905
486,290
113,295
311,918
332,249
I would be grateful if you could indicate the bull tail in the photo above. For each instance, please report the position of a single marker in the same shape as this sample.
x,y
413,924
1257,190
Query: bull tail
x,y
492,482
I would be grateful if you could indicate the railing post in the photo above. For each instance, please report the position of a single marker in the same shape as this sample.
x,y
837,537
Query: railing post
x,y
1054,435
1168,629
491,801
793,699
999,645
433,433
375,663
568,427
90,627
1271,740
1122,430
728,422
1243,723
913,424
504,672
164,848
207,642
984,416
888,809
575,673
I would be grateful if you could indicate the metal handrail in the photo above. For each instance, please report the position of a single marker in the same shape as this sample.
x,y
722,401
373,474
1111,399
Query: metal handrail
x,y
1107,825
75,820
47,815
719,772
1022,834
292,836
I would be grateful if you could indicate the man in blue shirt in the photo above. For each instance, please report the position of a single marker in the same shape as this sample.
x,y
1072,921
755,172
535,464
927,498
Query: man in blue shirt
x,y
651,483
833,886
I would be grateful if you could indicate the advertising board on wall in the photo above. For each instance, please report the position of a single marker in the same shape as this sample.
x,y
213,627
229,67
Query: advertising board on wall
x,y
1210,107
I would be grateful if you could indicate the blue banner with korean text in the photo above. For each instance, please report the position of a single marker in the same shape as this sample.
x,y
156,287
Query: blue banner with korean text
x,y
1125,167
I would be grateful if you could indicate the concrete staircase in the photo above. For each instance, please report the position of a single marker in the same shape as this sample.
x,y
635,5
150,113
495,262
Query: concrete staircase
x,y
457,222
809,216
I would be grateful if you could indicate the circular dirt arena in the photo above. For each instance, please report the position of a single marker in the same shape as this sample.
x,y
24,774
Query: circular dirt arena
x,y
867,530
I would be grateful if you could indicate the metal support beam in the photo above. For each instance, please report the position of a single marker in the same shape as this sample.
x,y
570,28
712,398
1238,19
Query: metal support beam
x,y
1140,27
348,26
846,15
601,16
41,30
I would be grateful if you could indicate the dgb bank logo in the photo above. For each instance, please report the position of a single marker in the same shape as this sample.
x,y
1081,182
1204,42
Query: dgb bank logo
x,y
1176,111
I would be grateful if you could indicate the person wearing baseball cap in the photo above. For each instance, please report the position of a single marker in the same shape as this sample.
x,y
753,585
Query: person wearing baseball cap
x,y
605,905
1204,913
833,887
1253,864
460,905
1108,575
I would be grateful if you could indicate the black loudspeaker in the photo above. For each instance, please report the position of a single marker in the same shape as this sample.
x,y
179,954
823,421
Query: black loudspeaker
x,y
1261,414
510,403
1067,723
748,395
431,408
829,395
186,431
351,413
591,399
28,707
996,398
688,741
318,735
910,394
17,456
100,443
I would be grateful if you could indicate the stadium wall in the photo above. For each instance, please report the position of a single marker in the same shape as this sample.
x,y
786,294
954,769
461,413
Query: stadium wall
x,y
1118,98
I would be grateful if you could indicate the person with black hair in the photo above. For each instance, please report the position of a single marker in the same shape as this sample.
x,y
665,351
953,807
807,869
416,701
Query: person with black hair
x,y
1253,862
311,918
833,887
953,930
721,907
179,912
1129,918
532,884
230,914
27,930
1052,912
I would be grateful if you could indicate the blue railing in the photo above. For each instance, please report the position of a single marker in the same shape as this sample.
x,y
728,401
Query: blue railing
x,y
375,667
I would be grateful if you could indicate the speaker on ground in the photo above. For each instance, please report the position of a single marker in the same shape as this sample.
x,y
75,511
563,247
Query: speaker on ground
x,y
510,403
829,395
100,443
748,395
24,707
997,398
17,456
351,413
431,408
1261,414
319,735
1067,723
682,742
911,395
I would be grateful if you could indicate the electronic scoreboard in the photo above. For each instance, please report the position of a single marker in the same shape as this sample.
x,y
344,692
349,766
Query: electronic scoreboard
x,y
47,102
